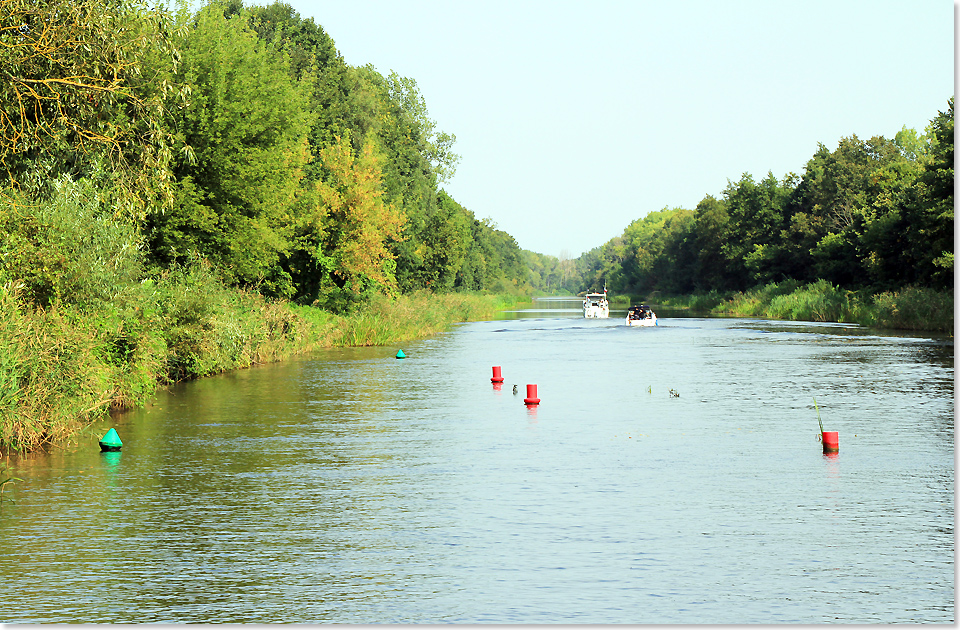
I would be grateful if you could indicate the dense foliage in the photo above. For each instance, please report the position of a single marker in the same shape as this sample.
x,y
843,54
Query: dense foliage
x,y
874,215
240,136
235,134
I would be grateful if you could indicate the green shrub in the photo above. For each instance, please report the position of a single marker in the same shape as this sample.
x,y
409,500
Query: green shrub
x,y
817,302
68,248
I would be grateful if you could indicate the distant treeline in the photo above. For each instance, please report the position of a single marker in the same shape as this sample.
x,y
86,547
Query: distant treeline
x,y
150,138
874,216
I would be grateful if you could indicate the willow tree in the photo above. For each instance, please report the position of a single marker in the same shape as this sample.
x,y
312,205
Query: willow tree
x,y
83,86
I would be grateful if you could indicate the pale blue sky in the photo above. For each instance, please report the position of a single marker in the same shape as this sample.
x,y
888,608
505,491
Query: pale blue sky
x,y
575,118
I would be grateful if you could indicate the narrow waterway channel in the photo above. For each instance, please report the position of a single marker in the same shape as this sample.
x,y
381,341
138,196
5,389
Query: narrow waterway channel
x,y
349,486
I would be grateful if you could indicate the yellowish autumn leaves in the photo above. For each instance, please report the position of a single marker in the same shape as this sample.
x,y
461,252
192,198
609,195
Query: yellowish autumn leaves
x,y
353,198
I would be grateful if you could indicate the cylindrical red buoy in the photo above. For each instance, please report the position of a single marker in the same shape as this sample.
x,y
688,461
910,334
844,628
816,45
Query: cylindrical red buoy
x,y
831,441
531,398
496,375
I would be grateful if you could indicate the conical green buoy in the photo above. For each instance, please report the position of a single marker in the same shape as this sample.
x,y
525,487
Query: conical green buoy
x,y
111,441
401,355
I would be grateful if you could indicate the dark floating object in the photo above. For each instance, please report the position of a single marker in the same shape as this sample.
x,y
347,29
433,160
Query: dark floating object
x,y
111,442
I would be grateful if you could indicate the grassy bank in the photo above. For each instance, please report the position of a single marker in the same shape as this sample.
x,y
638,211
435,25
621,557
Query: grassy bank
x,y
63,368
385,321
910,309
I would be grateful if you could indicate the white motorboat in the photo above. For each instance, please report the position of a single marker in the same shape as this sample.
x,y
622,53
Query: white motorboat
x,y
595,305
641,315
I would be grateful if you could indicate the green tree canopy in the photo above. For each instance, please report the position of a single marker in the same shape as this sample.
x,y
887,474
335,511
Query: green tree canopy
x,y
85,82
247,123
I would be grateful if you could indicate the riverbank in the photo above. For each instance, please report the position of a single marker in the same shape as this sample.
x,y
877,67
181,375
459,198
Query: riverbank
x,y
915,309
63,368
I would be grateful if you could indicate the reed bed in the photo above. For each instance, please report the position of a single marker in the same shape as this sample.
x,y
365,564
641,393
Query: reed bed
x,y
912,309
909,309
697,302
64,367
387,321
51,383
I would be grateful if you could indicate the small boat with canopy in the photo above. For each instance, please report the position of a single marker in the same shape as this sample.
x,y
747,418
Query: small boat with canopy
x,y
641,315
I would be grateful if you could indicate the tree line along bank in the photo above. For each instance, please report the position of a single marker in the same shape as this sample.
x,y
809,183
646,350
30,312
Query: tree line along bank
x,y
188,191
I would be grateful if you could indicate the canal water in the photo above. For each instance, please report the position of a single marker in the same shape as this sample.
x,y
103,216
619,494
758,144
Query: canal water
x,y
669,475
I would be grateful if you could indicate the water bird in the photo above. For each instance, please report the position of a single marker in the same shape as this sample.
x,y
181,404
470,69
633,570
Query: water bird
x,y
675,394
514,389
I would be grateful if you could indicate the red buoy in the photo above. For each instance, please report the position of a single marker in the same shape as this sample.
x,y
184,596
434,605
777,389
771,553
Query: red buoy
x,y
531,398
831,441
496,375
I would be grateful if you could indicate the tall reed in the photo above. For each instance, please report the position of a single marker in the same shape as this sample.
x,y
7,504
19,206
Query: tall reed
x,y
819,421
65,366
913,309
392,320
820,301
61,368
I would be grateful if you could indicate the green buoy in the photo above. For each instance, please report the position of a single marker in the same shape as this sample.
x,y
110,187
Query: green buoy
x,y
401,355
111,441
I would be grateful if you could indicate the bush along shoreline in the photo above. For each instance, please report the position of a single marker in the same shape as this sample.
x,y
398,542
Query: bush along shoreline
x,y
65,367
913,308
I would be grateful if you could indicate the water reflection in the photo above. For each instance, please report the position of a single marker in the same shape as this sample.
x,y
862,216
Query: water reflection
x,y
350,487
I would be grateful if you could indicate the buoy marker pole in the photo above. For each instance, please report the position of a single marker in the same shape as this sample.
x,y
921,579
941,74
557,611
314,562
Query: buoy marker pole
x,y
830,439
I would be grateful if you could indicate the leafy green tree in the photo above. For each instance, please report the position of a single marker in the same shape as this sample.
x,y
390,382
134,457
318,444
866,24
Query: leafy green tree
x,y
493,262
70,249
354,250
552,275
675,268
710,226
341,104
874,214
929,220
847,224
660,252
445,243
247,123
364,106
414,121
604,266
756,218
84,84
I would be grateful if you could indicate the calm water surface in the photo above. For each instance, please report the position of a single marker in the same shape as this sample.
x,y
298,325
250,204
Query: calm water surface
x,y
352,487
